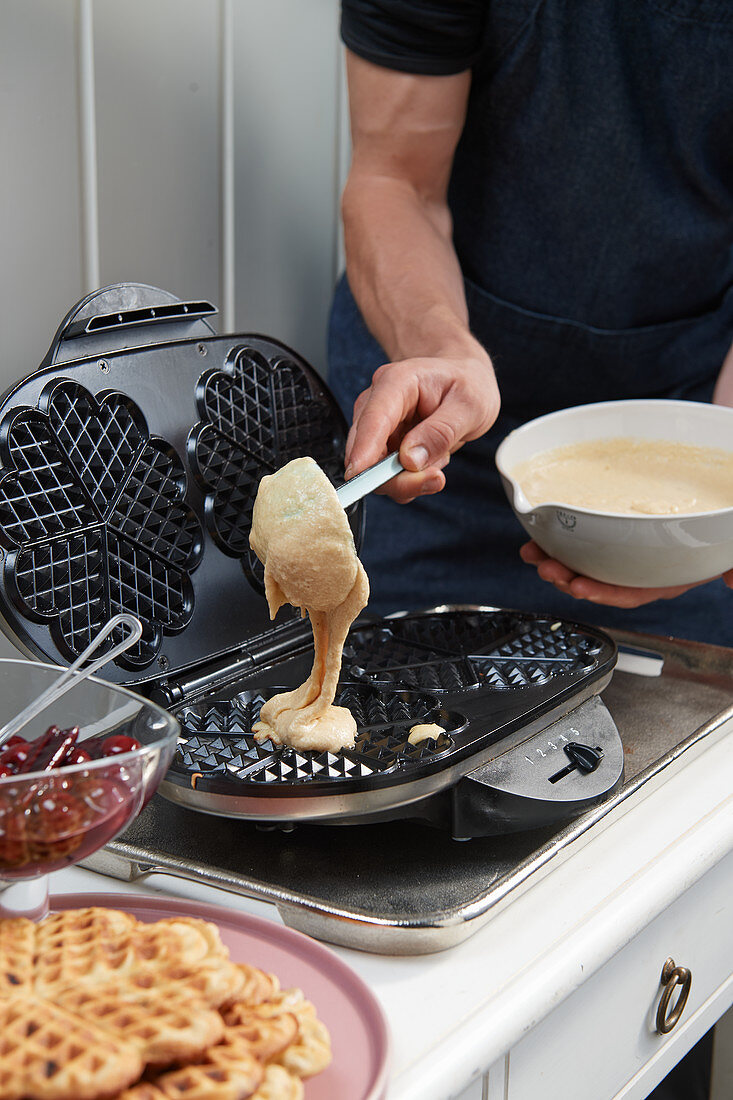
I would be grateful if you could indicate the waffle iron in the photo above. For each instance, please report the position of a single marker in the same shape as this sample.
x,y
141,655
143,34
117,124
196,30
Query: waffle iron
x,y
130,462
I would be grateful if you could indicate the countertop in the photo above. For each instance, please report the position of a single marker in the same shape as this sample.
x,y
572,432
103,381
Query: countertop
x,y
454,1013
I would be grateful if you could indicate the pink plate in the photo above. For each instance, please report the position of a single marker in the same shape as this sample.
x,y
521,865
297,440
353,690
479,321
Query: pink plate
x,y
359,1034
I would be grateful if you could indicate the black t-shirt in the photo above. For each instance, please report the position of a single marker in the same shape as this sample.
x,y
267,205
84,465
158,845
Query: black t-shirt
x,y
431,37
592,188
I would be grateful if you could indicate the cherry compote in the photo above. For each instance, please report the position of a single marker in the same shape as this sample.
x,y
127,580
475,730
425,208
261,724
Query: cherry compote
x,y
50,820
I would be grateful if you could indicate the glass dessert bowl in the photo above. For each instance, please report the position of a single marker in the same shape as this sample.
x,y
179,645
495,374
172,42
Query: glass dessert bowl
x,y
73,778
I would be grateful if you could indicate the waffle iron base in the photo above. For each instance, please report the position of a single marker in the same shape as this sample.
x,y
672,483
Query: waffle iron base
x,y
431,893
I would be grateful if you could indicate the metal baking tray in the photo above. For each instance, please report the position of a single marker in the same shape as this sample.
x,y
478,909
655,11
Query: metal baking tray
x,y
405,888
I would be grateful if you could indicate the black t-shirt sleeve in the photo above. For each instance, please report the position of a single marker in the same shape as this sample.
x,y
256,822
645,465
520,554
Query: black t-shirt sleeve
x,y
431,37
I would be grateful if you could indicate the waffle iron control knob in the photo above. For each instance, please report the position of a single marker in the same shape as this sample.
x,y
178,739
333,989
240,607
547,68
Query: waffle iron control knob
x,y
585,758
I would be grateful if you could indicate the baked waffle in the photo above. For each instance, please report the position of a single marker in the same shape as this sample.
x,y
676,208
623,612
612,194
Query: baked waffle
x,y
279,1085
93,944
310,1050
101,945
47,1053
17,947
96,1005
265,1034
212,1082
258,986
165,1025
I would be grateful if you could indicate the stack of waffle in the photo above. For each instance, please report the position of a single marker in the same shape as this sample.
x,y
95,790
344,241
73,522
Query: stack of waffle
x,y
96,1005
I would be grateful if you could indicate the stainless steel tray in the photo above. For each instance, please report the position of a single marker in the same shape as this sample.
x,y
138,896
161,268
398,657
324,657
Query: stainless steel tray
x,y
403,888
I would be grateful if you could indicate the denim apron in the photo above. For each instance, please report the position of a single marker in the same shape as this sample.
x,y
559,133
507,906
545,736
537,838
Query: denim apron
x,y
592,197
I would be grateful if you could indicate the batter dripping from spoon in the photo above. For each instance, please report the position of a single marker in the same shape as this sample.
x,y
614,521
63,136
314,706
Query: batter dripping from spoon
x,y
301,535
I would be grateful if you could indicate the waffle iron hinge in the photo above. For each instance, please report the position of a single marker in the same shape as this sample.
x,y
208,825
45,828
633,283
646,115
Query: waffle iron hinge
x,y
213,674
125,315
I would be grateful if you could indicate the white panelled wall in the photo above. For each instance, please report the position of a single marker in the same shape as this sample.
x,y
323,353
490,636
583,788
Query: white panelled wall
x,y
193,144
197,145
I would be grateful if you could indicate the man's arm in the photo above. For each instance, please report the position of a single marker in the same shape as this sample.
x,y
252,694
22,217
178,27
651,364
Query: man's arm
x,y
438,391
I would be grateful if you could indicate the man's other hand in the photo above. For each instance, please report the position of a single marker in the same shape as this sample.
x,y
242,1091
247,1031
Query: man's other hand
x,y
612,595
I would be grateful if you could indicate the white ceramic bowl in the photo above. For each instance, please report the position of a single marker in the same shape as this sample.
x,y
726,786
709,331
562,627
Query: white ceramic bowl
x,y
640,551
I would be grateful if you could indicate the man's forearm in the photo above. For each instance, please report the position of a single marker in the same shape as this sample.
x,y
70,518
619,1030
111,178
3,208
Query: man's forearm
x,y
403,270
437,390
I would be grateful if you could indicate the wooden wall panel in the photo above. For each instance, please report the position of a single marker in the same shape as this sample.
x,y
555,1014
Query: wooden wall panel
x,y
205,164
40,204
286,85
157,108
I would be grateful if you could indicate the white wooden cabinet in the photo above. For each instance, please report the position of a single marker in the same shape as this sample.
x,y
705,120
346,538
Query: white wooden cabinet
x,y
606,1032
476,1091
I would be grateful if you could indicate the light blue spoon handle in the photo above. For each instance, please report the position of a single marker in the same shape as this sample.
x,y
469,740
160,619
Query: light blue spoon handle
x,y
369,480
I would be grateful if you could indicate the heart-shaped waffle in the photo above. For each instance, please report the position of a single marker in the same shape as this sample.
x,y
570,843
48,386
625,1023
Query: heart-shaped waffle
x,y
277,1084
165,1025
212,1081
92,998
17,948
47,1053
258,985
95,946
264,1036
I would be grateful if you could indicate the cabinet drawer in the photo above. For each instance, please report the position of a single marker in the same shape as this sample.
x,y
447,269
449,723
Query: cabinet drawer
x,y
605,1033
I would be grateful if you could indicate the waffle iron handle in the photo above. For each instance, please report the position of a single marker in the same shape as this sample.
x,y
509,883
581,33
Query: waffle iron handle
x,y
126,315
568,767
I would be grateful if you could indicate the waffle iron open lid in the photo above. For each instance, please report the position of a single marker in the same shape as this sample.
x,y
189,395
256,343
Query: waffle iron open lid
x,y
130,461
129,465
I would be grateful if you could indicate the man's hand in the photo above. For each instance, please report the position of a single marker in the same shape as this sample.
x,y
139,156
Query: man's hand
x,y
612,595
426,408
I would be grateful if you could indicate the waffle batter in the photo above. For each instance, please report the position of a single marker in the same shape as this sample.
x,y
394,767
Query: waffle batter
x,y
302,536
424,731
654,477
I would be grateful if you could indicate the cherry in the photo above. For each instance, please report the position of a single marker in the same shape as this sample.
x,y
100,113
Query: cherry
x,y
54,750
118,743
46,823
104,800
33,750
16,739
55,813
15,756
93,745
77,755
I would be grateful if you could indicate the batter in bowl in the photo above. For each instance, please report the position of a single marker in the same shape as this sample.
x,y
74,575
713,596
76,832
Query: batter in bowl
x,y
301,535
654,477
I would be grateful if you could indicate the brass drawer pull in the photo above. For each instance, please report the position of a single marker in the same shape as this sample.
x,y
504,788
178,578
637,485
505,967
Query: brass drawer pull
x,y
672,976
